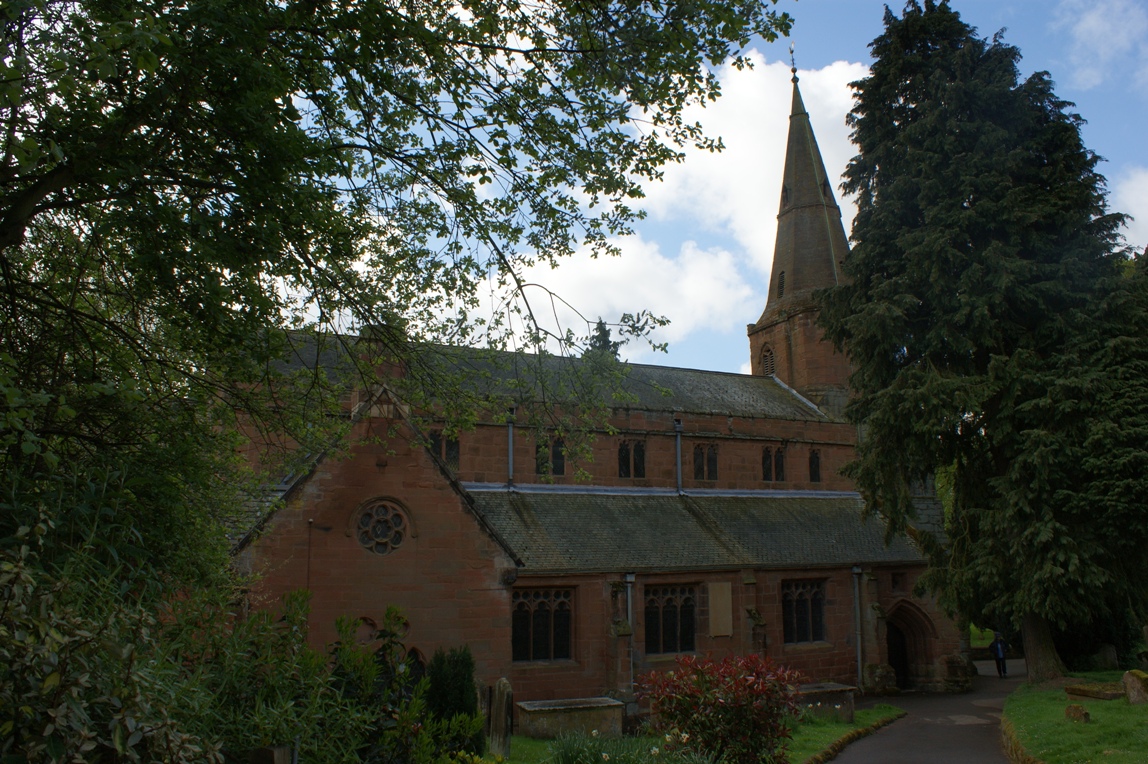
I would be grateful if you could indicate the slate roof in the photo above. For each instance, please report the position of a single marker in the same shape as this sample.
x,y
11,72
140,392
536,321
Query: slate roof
x,y
559,532
525,377
712,392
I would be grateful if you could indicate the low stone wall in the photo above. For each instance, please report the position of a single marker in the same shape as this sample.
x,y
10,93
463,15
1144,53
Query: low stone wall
x,y
551,718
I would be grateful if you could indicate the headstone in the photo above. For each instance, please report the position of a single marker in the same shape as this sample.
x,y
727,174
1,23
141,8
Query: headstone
x,y
1106,659
279,754
1136,687
880,678
1076,713
500,710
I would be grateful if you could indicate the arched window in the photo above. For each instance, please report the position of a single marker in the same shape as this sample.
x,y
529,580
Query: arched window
x,y
779,465
541,625
768,364
781,285
550,457
671,619
803,611
814,466
631,459
705,462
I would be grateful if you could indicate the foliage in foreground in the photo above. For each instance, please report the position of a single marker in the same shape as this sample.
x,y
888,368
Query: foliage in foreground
x,y
992,334
736,709
91,672
1116,734
594,749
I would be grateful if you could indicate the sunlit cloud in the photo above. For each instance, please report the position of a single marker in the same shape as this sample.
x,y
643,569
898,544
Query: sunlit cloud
x,y
737,191
1130,196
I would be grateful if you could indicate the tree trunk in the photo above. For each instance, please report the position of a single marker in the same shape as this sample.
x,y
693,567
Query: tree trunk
x,y
1040,654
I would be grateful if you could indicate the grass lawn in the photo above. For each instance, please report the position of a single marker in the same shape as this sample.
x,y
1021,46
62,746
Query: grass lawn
x,y
810,739
1117,734
979,637
816,737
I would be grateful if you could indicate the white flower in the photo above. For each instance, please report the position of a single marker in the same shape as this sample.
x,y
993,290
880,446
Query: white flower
x,y
653,751
685,738
593,733
669,738
605,757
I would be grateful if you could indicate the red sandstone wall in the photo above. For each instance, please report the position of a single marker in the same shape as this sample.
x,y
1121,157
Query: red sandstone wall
x,y
483,452
600,663
803,360
446,579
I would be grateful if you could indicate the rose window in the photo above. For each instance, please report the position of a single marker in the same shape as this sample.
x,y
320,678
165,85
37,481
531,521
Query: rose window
x,y
382,528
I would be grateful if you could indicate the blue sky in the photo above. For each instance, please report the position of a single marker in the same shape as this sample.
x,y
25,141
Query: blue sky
x,y
703,254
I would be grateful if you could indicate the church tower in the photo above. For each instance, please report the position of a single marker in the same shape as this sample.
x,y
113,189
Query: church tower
x,y
811,244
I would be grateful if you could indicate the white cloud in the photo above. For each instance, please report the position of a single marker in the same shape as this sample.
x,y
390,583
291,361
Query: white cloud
x,y
1130,196
697,289
710,291
1105,37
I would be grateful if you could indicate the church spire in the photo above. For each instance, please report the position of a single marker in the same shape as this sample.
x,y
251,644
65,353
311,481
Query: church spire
x,y
811,241
807,255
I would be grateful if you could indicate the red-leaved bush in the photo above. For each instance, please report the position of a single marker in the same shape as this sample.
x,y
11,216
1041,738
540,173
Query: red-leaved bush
x,y
735,709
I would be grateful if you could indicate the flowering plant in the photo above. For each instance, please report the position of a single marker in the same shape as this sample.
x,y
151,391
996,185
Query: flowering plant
x,y
735,709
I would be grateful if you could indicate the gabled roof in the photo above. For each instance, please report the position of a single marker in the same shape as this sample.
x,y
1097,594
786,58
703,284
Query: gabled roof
x,y
525,378
562,532
710,392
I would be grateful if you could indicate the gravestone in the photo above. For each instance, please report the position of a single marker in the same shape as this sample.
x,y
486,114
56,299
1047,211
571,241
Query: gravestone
x,y
1136,687
500,711
279,754
1106,659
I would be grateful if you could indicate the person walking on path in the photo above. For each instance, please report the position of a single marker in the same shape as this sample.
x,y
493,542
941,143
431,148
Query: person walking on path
x,y
998,647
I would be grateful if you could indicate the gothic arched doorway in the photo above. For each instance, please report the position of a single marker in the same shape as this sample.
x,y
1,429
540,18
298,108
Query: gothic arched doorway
x,y
909,639
898,648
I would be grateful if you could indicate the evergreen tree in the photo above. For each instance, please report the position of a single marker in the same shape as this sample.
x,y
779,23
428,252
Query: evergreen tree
x,y
981,238
601,341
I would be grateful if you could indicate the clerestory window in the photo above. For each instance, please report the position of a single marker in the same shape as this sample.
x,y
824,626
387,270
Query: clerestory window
x,y
632,459
705,462
445,448
550,457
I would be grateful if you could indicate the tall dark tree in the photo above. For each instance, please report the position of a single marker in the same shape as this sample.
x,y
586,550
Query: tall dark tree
x,y
601,341
981,238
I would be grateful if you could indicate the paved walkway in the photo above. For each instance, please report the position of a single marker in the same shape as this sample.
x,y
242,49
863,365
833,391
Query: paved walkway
x,y
953,729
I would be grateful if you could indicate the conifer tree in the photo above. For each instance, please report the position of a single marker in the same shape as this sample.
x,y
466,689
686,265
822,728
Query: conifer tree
x,y
981,238
601,342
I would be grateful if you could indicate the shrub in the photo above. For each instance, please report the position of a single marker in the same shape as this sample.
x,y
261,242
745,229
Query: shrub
x,y
735,709
592,749
90,672
451,691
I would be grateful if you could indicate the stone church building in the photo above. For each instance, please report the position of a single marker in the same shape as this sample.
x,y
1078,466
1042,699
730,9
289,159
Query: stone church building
x,y
714,519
